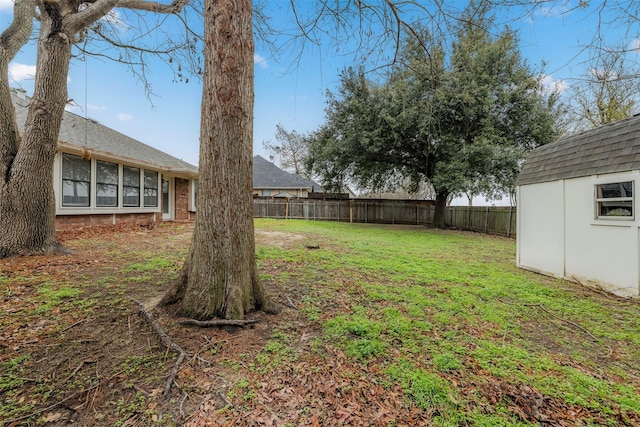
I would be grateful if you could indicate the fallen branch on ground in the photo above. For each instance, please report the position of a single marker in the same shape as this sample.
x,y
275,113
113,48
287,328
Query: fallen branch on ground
x,y
567,321
63,401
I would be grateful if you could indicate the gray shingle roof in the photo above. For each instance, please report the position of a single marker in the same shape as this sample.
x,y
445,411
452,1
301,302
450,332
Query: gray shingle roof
x,y
77,132
607,149
268,175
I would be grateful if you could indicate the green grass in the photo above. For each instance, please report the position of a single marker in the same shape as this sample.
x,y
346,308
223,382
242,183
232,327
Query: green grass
x,y
431,306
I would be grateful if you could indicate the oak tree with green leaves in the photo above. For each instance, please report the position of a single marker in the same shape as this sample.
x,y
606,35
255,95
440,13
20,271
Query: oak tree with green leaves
x,y
459,117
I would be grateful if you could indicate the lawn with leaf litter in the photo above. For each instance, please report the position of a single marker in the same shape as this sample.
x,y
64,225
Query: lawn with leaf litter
x,y
382,325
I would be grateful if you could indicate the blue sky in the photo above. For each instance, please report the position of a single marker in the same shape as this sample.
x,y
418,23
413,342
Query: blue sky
x,y
287,90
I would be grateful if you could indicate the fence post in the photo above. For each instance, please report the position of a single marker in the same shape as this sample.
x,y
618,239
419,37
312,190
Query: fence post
x,y
417,213
350,211
366,212
486,220
393,212
509,226
286,210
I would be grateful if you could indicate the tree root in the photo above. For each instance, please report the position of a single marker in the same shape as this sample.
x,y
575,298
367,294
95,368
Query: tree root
x,y
168,343
216,322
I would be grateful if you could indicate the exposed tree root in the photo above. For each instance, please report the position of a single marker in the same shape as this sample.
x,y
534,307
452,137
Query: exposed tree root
x,y
168,343
216,322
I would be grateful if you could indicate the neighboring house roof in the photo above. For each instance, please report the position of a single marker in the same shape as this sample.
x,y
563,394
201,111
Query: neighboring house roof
x,y
607,149
268,175
78,133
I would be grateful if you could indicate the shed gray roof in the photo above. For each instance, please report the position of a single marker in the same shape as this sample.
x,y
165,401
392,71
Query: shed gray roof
x,y
77,132
268,175
607,149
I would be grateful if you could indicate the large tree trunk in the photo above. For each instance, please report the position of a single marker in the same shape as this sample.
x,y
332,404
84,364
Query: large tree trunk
x,y
220,277
27,203
441,204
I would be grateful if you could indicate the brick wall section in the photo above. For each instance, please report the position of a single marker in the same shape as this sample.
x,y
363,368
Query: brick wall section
x,y
182,200
71,222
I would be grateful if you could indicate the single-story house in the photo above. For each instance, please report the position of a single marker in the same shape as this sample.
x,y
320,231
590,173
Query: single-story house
x,y
578,211
104,177
271,181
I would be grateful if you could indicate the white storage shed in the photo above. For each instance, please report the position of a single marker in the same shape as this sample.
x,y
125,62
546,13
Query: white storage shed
x,y
578,216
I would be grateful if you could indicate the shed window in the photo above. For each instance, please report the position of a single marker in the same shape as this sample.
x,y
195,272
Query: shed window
x,y
614,200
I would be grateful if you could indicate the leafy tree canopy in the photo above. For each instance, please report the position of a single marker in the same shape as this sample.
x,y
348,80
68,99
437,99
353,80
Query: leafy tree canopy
x,y
460,117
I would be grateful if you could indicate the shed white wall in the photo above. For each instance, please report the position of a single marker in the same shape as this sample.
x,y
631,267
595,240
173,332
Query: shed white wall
x,y
602,252
559,235
540,240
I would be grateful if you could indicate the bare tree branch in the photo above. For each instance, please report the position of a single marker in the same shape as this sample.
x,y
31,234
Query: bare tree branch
x,y
17,33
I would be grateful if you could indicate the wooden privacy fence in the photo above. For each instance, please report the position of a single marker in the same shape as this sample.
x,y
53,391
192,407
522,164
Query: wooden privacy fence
x,y
492,220
485,219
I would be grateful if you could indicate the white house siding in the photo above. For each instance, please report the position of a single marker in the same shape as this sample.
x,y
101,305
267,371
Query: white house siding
x,y
540,243
601,253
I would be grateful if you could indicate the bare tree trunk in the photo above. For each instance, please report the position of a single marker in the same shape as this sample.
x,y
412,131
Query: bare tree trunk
x,y
220,277
27,207
441,204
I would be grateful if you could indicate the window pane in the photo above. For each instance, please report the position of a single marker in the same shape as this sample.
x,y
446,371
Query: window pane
x,y
106,173
150,197
165,196
130,196
131,176
615,208
106,184
131,186
75,193
76,181
75,168
106,195
195,194
609,191
150,179
150,188
615,199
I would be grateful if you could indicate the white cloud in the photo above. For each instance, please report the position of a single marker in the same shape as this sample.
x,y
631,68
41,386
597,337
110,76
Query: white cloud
x,y
6,4
260,61
113,18
557,9
82,110
19,72
125,117
550,84
635,44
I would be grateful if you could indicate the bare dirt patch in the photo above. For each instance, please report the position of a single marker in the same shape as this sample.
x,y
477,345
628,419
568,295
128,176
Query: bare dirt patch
x,y
278,238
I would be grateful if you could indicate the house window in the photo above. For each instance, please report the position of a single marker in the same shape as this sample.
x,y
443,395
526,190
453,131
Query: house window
x,y
130,186
194,195
76,181
150,189
106,184
615,200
